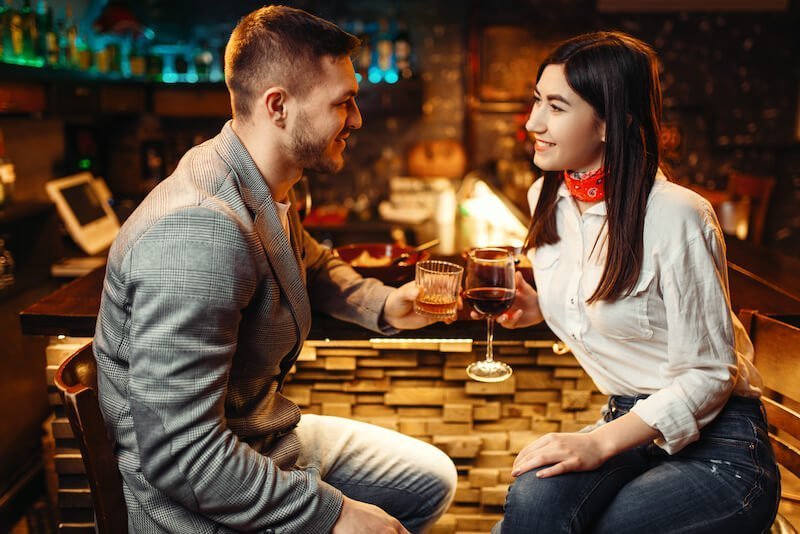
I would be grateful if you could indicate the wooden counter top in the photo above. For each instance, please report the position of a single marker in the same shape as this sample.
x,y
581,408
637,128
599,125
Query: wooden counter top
x,y
759,278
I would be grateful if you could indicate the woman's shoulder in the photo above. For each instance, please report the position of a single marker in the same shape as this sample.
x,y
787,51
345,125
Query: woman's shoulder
x,y
674,210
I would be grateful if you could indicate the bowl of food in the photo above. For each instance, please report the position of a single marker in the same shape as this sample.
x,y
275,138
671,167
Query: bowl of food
x,y
391,264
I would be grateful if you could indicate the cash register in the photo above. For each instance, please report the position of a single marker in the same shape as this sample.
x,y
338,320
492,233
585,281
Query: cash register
x,y
84,204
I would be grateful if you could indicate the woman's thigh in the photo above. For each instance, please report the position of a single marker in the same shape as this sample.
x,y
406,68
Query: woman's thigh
x,y
725,482
570,502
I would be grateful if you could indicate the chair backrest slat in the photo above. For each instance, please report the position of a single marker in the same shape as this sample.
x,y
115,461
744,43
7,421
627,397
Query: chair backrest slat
x,y
76,378
777,357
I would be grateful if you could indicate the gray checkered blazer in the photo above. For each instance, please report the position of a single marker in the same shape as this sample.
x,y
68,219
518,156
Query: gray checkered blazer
x,y
205,306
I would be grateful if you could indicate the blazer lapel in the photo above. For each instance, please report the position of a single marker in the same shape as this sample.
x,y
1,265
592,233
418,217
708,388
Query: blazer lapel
x,y
296,233
283,256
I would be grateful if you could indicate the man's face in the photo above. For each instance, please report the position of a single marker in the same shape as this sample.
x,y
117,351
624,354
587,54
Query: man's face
x,y
325,117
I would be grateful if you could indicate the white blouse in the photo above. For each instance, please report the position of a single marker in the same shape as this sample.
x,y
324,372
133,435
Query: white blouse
x,y
674,337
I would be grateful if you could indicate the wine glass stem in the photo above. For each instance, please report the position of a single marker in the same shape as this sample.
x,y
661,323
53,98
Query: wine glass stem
x,y
489,337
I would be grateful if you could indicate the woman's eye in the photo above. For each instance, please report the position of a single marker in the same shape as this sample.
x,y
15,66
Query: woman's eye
x,y
555,108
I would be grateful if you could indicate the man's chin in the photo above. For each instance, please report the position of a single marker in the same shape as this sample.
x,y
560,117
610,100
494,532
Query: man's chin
x,y
327,166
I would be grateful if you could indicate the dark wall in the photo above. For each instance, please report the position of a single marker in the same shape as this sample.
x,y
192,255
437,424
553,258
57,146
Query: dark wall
x,y
730,90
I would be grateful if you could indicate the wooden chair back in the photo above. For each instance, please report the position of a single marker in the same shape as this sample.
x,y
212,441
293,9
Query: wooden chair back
x,y
777,357
76,378
759,190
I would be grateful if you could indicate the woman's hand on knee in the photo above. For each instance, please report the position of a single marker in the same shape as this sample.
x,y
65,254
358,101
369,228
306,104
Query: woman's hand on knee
x,y
562,452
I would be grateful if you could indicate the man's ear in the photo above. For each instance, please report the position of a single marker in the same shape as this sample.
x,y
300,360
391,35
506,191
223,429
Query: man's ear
x,y
274,101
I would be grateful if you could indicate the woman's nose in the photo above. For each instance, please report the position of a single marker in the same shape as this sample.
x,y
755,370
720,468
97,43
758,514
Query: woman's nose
x,y
534,123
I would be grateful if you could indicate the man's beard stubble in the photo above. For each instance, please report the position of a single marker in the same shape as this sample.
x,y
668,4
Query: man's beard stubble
x,y
309,152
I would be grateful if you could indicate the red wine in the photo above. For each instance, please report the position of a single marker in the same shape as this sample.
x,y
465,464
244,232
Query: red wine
x,y
490,300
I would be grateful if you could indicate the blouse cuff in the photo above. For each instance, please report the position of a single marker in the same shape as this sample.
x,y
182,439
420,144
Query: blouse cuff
x,y
669,415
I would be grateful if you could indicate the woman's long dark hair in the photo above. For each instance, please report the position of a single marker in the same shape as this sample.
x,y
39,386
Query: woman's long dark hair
x,y
618,76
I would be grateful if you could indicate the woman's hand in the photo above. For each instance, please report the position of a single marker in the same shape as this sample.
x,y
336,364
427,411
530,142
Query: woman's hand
x,y
563,452
525,309
583,451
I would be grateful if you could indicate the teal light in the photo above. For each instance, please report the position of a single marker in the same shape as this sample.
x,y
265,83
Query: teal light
x,y
359,77
375,75
85,164
391,76
192,77
170,77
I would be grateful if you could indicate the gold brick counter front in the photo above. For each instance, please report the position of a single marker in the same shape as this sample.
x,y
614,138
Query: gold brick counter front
x,y
420,387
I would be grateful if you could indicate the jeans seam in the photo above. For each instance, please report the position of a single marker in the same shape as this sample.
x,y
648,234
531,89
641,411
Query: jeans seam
x,y
585,496
759,469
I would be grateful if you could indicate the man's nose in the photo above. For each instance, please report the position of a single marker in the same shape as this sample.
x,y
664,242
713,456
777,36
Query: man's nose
x,y
354,120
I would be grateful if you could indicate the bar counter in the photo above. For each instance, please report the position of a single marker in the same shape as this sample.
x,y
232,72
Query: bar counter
x,y
416,383
760,279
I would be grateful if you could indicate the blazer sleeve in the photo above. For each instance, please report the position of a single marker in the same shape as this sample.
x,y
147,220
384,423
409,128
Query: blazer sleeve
x,y
338,290
191,274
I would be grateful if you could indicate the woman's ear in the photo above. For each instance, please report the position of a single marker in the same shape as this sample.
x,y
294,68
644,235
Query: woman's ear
x,y
602,131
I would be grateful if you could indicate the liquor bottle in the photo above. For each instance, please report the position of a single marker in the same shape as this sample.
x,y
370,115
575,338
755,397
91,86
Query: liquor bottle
x,y
5,36
202,62
402,53
15,51
70,40
6,266
7,174
51,49
29,32
136,59
40,44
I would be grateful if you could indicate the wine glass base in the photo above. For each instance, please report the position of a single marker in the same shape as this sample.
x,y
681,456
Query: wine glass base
x,y
489,371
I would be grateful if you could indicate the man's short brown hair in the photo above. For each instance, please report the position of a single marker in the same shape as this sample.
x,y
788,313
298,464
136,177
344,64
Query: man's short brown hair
x,y
279,45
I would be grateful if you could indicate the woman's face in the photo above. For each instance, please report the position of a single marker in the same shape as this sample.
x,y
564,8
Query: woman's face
x,y
569,135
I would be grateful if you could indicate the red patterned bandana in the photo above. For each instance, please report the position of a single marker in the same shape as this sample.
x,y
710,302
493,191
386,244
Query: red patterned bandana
x,y
586,186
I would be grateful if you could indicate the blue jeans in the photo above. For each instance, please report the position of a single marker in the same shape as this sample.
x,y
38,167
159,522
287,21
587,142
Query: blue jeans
x,y
725,482
408,478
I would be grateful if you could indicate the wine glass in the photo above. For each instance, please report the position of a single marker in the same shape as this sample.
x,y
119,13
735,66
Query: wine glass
x,y
489,288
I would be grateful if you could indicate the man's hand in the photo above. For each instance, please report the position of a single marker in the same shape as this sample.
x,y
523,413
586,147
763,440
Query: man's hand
x,y
399,309
525,309
359,517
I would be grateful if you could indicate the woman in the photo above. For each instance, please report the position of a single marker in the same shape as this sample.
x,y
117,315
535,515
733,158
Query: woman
x,y
631,275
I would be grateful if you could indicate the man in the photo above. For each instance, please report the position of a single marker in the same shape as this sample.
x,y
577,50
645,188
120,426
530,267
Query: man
x,y
206,304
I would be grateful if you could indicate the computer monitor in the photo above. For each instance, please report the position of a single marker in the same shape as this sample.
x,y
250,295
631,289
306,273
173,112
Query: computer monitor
x,y
83,204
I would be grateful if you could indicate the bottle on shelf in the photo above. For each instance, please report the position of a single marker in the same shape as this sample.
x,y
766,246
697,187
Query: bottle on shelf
x,y
402,54
15,50
7,174
30,34
203,60
6,266
40,19
5,29
69,41
51,50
